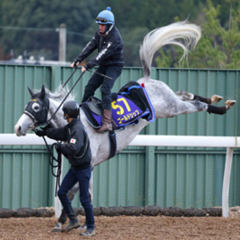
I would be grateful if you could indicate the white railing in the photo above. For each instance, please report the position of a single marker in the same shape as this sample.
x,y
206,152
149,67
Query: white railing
x,y
162,141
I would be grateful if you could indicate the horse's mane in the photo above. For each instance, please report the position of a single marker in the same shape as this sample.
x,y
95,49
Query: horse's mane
x,y
59,94
189,34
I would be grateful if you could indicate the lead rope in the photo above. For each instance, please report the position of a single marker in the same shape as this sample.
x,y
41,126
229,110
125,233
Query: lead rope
x,y
51,161
58,165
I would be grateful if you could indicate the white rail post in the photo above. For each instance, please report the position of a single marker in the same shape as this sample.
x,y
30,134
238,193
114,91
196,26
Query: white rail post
x,y
226,182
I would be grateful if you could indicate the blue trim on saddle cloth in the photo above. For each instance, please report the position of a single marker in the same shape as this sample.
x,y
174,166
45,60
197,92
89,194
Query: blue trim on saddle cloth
x,y
151,112
131,104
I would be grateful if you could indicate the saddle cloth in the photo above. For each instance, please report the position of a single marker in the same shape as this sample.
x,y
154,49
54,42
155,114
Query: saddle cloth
x,y
128,105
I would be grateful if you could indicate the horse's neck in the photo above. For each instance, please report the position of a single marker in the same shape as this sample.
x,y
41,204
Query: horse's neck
x,y
58,120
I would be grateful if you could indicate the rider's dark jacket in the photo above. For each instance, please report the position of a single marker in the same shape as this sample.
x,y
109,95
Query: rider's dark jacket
x,y
77,146
110,49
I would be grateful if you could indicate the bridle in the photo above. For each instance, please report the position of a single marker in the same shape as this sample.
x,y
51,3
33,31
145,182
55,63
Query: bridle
x,y
40,117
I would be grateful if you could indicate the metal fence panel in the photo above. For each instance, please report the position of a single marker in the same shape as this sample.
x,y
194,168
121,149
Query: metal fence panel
x,y
171,176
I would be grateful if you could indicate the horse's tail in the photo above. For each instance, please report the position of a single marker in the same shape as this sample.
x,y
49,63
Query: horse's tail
x,y
189,33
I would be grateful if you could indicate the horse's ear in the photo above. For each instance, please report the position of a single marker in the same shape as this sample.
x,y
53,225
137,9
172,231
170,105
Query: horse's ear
x,y
31,92
43,92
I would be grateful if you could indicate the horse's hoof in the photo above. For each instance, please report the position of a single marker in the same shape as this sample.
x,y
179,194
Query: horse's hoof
x,y
229,103
57,228
216,99
82,227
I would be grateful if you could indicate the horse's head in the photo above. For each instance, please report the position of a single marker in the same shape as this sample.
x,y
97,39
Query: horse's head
x,y
35,112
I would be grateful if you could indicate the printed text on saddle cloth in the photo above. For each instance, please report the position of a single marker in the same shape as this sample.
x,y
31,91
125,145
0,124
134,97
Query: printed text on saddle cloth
x,y
124,110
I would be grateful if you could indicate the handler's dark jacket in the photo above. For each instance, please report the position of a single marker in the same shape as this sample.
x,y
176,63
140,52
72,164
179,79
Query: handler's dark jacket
x,y
110,49
77,146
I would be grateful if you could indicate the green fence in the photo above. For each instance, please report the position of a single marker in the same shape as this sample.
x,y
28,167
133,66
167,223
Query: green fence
x,y
163,176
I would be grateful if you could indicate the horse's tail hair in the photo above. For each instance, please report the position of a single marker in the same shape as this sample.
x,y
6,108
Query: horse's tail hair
x,y
171,34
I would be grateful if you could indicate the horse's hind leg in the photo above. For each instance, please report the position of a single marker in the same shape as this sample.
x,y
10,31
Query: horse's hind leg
x,y
216,98
221,110
185,107
213,99
186,96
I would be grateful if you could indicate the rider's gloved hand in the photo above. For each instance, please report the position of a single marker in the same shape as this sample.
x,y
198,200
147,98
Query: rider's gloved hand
x,y
76,61
41,133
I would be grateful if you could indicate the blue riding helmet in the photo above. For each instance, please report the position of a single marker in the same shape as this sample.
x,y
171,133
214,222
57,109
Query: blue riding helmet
x,y
105,17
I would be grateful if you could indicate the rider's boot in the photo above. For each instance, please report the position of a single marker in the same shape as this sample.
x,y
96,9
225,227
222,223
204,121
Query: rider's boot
x,y
106,121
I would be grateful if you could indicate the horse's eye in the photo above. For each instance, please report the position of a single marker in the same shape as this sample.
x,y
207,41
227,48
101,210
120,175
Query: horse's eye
x,y
36,107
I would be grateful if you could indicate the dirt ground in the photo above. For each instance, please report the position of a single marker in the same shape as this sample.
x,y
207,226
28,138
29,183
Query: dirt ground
x,y
128,227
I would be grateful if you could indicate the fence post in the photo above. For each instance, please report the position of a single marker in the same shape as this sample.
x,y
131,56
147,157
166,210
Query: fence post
x,y
150,187
226,182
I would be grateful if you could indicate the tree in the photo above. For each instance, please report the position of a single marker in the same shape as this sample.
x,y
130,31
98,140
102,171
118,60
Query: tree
x,y
32,24
218,47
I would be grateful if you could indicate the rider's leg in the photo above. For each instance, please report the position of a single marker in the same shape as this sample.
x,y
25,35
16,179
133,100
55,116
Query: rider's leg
x,y
93,84
107,85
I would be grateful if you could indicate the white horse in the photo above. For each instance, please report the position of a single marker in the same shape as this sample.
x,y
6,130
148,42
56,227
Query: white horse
x,y
165,102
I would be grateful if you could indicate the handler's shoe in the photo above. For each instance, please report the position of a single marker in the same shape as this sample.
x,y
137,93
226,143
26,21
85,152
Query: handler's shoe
x,y
88,233
71,225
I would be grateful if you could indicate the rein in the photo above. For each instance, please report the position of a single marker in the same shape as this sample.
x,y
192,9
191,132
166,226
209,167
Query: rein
x,y
65,97
103,75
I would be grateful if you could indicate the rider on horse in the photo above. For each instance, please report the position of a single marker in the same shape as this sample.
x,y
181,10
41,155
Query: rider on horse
x,y
108,42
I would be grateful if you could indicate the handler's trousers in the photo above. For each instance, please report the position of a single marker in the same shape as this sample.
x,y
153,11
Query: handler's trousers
x,y
82,176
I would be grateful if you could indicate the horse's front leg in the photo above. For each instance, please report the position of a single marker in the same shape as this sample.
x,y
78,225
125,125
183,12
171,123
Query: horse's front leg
x,y
63,218
91,188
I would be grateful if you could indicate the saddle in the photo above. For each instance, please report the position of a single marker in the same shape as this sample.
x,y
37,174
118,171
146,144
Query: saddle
x,y
128,105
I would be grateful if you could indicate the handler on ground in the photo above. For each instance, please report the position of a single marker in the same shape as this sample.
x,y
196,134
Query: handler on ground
x,y
108,42
77,151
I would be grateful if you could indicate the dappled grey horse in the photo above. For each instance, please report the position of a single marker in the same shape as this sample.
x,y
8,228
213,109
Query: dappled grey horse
x,y
165,102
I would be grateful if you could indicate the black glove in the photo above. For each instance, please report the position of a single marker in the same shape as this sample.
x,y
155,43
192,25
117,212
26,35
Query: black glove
x,y
46,126
76,61
58,146
41,133
86,67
